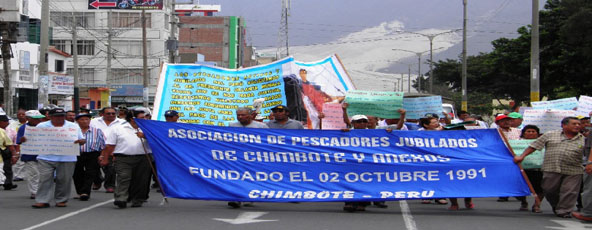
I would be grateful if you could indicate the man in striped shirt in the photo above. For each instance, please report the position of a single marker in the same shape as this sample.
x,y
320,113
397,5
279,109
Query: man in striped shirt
x,y
87,166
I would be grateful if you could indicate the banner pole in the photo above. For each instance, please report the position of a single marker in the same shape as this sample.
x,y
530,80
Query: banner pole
x,y
537,200
164,197
344,69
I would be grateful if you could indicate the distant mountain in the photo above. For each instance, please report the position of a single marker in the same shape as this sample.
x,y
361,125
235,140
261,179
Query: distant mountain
x,y
363,33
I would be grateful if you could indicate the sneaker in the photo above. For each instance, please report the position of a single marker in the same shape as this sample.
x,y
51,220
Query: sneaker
x,y
84,197
120,204
234,204
380,204
10,186
579,216
137,204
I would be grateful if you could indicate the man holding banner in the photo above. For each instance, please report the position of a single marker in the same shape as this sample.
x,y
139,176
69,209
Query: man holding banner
x,y
562,165
245,120
281,119
59,163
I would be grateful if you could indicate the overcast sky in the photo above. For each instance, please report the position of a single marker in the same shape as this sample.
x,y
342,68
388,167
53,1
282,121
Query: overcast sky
x,y
322,21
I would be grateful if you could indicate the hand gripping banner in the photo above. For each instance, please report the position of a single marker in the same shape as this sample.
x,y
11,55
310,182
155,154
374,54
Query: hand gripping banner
x,y
273,165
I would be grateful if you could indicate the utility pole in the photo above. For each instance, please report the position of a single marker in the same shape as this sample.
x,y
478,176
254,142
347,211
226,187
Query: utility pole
x,y
43,50
534,54
419,75
172,40
6,56
283,44
401,82
145,60
409,79
464,106
109,56
75,61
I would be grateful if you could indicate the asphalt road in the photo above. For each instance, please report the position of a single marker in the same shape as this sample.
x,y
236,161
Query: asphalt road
x,y
99,213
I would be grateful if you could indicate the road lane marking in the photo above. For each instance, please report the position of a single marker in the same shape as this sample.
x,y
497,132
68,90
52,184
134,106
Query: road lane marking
x,y
570,225
245,218
68,215
407,217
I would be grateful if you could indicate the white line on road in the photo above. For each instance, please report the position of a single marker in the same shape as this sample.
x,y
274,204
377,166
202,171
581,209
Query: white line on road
x,y
407,217
68,215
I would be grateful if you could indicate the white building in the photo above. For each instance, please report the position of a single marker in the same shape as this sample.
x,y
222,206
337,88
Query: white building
x,y
126,62
25,61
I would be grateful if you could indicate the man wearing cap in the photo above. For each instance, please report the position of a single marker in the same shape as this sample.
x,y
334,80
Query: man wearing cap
x,y
87,165
62,166
516,120
357,122
171,116
31,172
9,154
282,120
562,165
504,124
105,123
244,116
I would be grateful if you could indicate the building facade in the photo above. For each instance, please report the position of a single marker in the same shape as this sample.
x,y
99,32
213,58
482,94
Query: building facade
x,y
220,40
126,68
24,63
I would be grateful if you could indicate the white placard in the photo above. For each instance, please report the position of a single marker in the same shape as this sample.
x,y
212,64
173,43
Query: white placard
x,y
546,120
584,106
50,140
569,103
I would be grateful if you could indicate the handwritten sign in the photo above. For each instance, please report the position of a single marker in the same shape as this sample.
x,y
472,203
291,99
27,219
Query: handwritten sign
x,y
55,140
546,120
584,106
374,103
559,104
333,116
417,107
532,161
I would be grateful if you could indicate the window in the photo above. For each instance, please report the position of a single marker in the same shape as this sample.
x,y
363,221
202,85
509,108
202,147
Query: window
x,y
59,66
127,76
61,45
127,48
85,75
64,19
86,47
129,20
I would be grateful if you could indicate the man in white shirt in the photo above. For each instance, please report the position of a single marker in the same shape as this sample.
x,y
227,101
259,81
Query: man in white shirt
x,y
60,166
105,124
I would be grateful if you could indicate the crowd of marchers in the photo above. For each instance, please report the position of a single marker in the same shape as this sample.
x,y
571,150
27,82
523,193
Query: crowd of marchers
x,y
115,155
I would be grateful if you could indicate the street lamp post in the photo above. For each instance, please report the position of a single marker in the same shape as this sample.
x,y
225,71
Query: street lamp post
x,y
431,39
418,65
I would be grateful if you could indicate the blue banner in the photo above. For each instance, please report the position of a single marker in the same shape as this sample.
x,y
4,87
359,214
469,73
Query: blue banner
x,y
276,165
